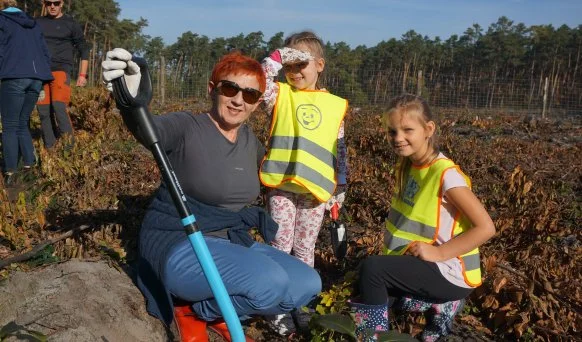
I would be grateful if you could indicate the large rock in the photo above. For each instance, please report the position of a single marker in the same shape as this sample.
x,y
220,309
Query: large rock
x,y
78,301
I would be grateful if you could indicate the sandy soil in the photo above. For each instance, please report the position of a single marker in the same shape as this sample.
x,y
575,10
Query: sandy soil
x,y
78,301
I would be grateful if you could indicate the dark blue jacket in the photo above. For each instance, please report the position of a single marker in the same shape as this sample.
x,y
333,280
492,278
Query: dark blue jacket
x,y
23,51
162,230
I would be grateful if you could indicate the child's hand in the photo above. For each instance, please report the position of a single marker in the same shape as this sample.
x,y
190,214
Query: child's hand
x,y
338,197
425,251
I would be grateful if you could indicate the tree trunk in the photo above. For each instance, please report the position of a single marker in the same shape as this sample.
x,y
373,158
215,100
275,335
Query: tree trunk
x,y
92,62
545,98
162,80
419,83
575,68
404,76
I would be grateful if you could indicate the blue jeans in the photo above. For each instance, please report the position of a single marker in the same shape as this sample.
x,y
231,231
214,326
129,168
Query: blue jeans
x,y
18,97
261,280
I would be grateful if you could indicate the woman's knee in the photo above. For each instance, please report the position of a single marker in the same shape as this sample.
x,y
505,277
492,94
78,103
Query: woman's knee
x,y
305,285
268,288
311,281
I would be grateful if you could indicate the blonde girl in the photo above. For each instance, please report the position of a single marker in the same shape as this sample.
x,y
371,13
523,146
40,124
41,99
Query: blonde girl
x,y
433,231
302,116
305,166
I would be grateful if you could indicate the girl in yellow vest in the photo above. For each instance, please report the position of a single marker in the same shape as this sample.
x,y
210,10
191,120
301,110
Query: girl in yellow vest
x,y
433,231
305,165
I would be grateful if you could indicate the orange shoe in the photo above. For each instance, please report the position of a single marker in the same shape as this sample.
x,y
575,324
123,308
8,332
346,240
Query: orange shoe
x,y
221,329
191,328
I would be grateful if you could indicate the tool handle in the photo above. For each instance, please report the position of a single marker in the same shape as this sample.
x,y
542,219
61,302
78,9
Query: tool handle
x,y
334,211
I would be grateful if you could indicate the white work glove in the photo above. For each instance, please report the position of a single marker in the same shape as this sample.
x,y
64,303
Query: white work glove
x,y
41,95
339,197
118,63
290,56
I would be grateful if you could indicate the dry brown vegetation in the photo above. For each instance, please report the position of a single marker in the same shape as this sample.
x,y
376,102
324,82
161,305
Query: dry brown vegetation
x,y
528,172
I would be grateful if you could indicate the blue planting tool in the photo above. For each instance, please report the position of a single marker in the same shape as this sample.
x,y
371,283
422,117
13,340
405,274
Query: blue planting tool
x,y
137,118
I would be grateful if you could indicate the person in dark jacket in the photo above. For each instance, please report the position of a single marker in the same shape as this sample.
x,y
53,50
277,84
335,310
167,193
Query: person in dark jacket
x,y
63,36
24,66
215,157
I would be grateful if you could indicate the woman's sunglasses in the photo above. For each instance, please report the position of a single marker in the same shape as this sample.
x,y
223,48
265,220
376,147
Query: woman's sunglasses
x,y
52,3
230,89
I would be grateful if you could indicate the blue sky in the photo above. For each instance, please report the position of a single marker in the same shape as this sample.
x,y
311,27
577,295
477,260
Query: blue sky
x,y
356,22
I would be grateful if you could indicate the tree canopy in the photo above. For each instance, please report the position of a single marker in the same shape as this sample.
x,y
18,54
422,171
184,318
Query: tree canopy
x,y
504,49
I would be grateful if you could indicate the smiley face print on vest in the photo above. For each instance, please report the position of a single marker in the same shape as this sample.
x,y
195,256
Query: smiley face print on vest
x,y
308,116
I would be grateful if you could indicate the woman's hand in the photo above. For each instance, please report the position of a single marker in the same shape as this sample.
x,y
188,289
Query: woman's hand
x,y
425,251
118,63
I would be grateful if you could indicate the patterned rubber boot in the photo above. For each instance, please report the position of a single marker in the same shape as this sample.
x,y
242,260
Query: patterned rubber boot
x,y
440,320
369,320
411,304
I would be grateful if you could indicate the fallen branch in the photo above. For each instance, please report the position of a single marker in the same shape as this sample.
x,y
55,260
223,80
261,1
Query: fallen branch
x,y
33,252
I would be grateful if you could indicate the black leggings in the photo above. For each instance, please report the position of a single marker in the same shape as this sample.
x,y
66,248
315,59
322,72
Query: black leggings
x,y
383,277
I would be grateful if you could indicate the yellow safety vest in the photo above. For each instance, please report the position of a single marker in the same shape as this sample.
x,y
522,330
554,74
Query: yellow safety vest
x,y
302,150
415,216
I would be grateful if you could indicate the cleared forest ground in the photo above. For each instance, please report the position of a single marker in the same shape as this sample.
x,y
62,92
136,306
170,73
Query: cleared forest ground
x,y
526,170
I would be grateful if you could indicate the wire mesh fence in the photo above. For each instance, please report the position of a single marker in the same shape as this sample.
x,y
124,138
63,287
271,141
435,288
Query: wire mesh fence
x,y
535,96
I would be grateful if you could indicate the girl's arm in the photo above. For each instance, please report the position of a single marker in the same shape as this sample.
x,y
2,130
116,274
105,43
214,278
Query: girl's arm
x,y
482,229
271,66
342,157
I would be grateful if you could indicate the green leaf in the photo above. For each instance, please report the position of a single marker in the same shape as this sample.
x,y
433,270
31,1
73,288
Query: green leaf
x,y
337,322
13,329
37,335
8,329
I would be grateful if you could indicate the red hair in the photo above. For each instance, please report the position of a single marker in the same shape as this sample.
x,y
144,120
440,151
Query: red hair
x,y
235,63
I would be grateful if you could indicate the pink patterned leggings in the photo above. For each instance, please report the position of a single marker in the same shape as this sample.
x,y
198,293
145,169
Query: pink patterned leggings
x,y
299,217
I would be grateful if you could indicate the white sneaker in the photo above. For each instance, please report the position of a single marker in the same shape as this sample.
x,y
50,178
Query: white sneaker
x,y
282,324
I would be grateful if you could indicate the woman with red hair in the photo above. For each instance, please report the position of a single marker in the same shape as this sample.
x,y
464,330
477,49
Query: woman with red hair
x,y
215,157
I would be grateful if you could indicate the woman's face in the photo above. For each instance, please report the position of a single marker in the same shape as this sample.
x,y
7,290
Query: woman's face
x,y
232,110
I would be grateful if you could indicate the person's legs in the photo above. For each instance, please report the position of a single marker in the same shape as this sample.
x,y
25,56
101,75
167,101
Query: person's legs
x,y
300,292
282,209
419,282
305,282
61,96
396,276
44,112
12,93
257,278
440,320
369,320
308,223
23,132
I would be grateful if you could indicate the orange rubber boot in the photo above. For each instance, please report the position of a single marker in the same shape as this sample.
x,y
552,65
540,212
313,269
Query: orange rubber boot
x,y
191,328
221,329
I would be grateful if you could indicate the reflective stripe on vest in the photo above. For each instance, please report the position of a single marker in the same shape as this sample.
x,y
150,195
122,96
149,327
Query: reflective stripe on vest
x,y
302,149
415,216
